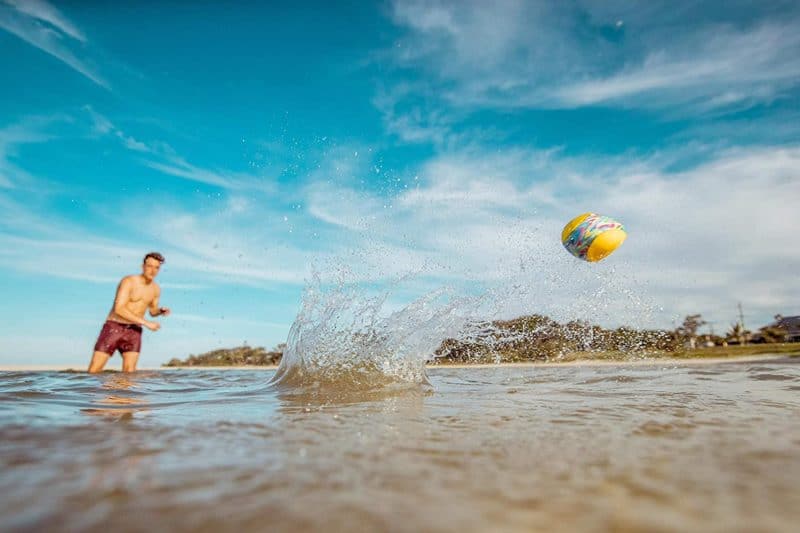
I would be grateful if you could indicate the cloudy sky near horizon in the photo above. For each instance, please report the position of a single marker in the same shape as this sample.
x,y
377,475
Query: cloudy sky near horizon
x,y
449,140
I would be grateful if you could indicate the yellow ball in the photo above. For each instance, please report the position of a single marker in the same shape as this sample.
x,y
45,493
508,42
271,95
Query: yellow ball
x,y
592,237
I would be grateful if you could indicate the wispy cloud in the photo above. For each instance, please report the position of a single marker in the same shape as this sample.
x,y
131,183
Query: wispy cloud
x,y
722,69
101,125
46,13
198,251
702,238
229,248
45,27
415,122
547,55
31,130
209,250
162,157
180,168
188,317
66,258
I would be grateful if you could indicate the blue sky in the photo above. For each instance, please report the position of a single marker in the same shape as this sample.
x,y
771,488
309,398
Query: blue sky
x,y
450,140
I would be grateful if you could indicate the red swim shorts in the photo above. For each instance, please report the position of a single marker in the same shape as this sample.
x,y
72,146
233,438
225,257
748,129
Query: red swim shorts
x,y
117,336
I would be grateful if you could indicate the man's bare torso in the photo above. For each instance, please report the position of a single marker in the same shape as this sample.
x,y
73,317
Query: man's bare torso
x,y
141,294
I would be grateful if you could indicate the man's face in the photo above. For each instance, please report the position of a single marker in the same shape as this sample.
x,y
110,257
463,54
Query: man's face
x,y
150,268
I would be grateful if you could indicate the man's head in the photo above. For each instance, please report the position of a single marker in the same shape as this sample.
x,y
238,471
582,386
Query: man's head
x,y
151,265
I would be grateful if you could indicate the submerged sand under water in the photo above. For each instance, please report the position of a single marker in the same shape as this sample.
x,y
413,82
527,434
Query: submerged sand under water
x,y
646,447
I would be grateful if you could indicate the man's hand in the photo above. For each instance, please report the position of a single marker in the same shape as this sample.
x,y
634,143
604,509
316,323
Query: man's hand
x,y
163,311
152,326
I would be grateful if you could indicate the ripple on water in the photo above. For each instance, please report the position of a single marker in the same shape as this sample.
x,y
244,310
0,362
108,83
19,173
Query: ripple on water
x,y
222,451
654,428
773,377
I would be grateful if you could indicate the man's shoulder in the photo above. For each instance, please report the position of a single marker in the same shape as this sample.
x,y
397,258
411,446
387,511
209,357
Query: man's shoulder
x,y
135,280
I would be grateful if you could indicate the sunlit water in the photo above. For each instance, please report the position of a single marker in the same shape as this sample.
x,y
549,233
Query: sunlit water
x,y
703,447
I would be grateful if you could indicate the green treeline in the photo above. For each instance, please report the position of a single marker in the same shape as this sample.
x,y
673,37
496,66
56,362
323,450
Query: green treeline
x,y
243,355
540,338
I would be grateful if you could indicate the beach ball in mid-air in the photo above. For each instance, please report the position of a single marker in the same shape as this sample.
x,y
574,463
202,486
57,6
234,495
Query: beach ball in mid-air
x,y
592,237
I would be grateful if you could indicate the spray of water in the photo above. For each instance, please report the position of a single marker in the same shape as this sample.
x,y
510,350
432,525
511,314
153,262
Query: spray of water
x,y
349,337
344,336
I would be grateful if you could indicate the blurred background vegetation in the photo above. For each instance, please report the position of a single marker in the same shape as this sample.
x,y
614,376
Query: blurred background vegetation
x,y
540,338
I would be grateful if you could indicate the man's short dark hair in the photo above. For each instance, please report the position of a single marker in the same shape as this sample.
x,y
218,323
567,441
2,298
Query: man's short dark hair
x,y
155,255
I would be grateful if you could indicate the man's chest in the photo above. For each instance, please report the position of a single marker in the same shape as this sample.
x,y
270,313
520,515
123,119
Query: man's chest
x,y
142,295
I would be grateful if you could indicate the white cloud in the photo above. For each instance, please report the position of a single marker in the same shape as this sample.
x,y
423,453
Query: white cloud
x,y
238,320
101,125
484,182
212,249
164,159
31,130
64,257
239,204
227,247
43,26
46,13
478,33
517,54
699,240
180,168
199,251
721,69
341,206
184,286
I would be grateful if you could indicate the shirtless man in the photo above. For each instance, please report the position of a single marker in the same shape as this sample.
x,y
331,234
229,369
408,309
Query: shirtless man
x,y
123,328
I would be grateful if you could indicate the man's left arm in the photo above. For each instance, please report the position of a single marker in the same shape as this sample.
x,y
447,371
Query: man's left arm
x,y
155,309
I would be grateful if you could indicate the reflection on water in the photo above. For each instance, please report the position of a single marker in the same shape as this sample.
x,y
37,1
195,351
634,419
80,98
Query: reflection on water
x,y
120,402
309,398
625,448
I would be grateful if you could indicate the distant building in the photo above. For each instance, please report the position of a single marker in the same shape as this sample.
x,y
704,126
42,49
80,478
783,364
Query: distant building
x,y
790,324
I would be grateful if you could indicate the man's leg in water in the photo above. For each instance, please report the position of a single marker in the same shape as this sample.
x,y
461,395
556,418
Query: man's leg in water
x,y
129,360
99,360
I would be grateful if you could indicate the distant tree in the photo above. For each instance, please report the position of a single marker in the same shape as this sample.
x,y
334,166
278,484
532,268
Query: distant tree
x,y
737,333
243,355
772,333
688,330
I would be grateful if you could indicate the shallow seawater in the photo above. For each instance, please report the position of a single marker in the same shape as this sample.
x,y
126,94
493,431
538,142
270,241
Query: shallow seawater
x,y
702,447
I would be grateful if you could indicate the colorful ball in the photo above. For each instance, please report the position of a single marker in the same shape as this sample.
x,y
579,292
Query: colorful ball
x,y
592,237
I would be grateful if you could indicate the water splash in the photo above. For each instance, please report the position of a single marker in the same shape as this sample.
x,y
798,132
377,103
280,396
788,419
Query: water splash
x,y
344,337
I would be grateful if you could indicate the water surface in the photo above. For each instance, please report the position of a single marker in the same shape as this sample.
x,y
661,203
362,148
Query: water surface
x,y
703,447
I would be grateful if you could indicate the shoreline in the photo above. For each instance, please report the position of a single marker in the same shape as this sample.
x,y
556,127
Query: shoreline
x,y
572,363
621,362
